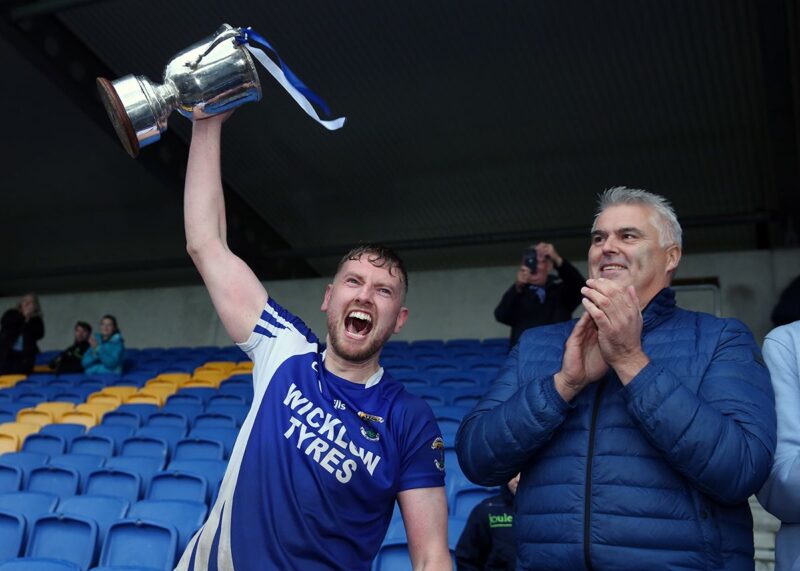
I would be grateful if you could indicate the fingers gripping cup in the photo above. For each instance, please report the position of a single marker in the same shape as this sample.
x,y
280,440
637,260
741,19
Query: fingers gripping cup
x,y
208,78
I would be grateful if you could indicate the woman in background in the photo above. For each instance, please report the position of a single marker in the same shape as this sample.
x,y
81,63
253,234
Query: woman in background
x,y
107,350
20,328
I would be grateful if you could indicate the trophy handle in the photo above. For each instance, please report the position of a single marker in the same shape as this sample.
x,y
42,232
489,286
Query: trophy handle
x,y
118,116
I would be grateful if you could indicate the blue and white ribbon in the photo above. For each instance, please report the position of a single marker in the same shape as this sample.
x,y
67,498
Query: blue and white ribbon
x,y
299,91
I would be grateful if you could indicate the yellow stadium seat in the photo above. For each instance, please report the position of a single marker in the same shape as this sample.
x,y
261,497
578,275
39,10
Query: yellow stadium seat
x,y
11,380
34,416
9,443
98,408
239,371
56,408
104,398
179,378
216,377
219,366
122,391
245,365
201,383
84,417
162,390
146,397
20,430
170,384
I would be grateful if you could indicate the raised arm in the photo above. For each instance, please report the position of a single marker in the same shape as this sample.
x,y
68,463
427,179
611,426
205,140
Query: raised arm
x,y
237,294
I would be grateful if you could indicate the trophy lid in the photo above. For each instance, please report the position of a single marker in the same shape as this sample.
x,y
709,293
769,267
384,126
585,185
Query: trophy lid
x,y
118,116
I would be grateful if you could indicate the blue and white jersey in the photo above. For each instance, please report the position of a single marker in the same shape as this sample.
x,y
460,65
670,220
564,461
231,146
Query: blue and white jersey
x,y
317,466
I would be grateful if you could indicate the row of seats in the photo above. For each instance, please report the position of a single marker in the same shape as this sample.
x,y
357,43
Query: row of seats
x,y
83,531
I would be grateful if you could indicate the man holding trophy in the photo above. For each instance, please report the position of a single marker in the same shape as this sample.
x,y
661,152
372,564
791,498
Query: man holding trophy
x,y
331,441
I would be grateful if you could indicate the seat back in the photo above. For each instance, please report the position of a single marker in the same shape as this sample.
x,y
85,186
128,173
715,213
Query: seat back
x,y
187,517
174,485
104,510
95,444
66,537
45,444
56,480
12,534
114,482
140,543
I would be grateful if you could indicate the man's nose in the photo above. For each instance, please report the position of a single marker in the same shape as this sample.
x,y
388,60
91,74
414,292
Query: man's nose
x,y
610,245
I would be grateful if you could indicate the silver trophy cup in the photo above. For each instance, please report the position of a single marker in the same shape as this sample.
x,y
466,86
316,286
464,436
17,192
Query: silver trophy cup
x,y
208,78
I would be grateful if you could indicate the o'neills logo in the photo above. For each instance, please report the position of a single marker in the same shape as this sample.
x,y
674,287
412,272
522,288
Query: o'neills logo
x,y
323,438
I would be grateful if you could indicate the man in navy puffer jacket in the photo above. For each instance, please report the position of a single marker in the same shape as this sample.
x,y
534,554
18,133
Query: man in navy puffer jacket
x,y
641,429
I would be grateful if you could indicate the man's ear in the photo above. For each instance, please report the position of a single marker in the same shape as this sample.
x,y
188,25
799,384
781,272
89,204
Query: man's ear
x,y
327,298
402,317
673,258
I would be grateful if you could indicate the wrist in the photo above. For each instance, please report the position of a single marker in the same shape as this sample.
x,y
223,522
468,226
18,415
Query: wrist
x,y
566,388
631,365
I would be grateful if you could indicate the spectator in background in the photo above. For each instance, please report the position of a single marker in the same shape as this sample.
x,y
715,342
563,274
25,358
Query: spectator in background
x,y
70,359
487,542
107,350
781,494
641,429
538,297
20,328
787,309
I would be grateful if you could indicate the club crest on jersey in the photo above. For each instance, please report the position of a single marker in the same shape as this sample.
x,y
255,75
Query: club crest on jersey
x,y
438,447
370,434
369,417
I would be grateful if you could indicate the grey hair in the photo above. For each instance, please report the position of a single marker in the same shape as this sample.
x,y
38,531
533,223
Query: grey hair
x,y
664,219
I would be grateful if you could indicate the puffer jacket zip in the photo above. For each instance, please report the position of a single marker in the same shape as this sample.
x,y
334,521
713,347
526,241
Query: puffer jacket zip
x,y
587,506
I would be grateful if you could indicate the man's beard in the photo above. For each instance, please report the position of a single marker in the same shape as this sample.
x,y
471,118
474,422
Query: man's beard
x,y
358,355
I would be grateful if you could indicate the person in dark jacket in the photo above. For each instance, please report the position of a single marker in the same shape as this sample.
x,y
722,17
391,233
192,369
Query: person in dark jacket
x,y
487,542
69,360
20,328
540,297
641,429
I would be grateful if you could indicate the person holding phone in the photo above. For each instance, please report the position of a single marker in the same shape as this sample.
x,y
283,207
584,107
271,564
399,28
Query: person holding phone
x,y
547,290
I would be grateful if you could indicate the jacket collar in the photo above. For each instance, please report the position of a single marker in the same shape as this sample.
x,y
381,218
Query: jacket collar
x,y
661,307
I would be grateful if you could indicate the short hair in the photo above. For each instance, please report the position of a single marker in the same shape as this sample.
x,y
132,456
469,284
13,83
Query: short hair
x,y
379,256
37,307
665,220
84,325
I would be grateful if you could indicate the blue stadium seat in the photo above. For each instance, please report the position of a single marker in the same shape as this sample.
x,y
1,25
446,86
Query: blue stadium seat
x,y
170,434
145,446
460,379
393,556
173,485
215,419
144,466
199,449
84,464
116,432
12,534
140,543
186,517
31,397
465,498
104,510
413,380
114,482
169,418
38,564
57,480
212,470
49,444
65,537
237,411
466,397
31,505
10,478
455,527
95,444
122,418
203,393
452,412
74,396
66,431
243,390
225,435
141,410
189,407
26,461
223,399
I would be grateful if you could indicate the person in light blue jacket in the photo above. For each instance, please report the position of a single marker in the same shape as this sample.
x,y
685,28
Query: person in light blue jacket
x,y
781,494
107,351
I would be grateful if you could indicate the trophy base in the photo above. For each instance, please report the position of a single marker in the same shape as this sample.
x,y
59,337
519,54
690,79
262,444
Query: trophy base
x,y
118,116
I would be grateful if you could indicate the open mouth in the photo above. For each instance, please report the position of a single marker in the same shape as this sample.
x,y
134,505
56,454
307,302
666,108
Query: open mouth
x,y
358,323
611,268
